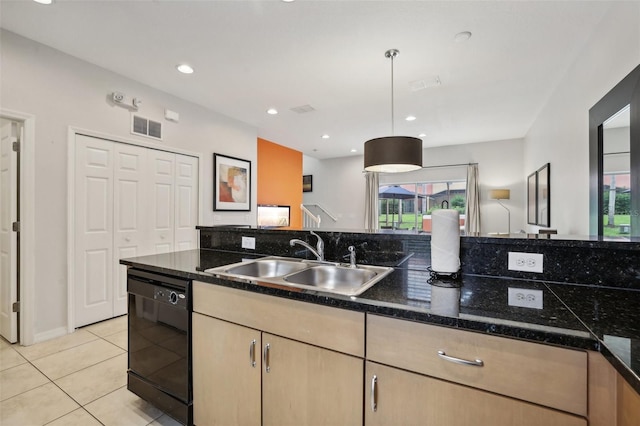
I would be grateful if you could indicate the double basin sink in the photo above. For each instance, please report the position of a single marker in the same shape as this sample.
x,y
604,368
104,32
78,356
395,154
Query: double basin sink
x,y
305,274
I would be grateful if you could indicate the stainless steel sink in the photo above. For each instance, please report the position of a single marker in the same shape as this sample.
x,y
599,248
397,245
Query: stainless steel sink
x,y
268,268
329,277
305,274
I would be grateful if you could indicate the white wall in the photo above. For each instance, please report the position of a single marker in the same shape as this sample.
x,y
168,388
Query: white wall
x,y
63,91
560,134
339,184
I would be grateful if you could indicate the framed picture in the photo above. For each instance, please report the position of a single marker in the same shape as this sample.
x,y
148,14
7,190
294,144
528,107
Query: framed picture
x,y
307,183
532,194
544,211
538,197
231,183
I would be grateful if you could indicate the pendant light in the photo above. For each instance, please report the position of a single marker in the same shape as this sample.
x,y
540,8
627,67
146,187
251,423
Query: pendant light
x,y
393,154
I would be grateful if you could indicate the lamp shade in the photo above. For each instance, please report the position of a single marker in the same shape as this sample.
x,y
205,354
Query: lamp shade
x,y
393,154
499,194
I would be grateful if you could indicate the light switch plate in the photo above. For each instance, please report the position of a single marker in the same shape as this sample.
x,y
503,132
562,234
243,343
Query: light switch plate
x,y
525,298
526,262
249,243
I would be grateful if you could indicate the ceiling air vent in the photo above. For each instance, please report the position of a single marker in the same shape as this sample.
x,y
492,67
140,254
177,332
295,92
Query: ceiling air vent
x,y
146,127
302,109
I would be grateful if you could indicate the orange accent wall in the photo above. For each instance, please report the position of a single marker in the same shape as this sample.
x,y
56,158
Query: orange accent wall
x,y
280,177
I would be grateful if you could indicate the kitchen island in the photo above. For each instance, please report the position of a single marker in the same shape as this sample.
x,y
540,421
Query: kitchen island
x,y
581,319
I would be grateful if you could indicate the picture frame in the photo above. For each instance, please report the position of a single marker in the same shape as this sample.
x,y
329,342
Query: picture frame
x,y
307,183
532,194
539,197
543,193
231,183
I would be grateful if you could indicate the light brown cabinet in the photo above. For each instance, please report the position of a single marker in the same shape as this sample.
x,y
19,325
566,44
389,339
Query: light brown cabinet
x,y
292,382
226,373
612,401
260,359
542,374
400,397
307,385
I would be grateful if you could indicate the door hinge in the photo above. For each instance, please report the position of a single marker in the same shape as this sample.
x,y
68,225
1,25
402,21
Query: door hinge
x,y
15,307
16,226
16,146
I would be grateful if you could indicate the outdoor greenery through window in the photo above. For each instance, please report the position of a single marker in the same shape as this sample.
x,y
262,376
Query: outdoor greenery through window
x,y
409,205
616,205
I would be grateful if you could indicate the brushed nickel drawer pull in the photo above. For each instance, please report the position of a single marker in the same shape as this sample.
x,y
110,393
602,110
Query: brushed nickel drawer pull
x,y
374,393
265,357
252,353
476,363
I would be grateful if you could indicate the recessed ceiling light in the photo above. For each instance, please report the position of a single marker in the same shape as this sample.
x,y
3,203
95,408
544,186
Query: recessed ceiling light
x,y
44,1
272,111
462,37
288,1
410,117
325,136
422,135
354,150
184,69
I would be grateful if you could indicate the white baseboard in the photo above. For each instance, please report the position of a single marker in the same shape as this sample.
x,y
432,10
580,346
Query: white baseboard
x,y
50,334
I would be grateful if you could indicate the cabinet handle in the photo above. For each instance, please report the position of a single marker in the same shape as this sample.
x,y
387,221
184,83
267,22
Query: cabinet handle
x,y
374,393
265,356
475,363
252,353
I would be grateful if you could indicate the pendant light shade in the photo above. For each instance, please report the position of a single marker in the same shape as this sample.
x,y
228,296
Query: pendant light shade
x,y
393,154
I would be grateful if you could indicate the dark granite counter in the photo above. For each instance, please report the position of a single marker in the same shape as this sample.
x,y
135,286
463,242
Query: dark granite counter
x,y
580,317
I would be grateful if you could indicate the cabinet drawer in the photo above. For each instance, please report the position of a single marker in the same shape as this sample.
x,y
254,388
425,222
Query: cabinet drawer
x,y
337,329
546,375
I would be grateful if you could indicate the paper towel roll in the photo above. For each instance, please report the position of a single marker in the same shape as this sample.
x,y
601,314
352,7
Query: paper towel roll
x,y
445,241
445,301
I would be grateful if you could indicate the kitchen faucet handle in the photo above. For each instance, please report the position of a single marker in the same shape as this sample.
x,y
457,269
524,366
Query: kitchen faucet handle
x,y
320,243
352,256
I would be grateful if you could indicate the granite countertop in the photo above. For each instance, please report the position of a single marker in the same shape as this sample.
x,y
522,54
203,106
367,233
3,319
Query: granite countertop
x,y
580,317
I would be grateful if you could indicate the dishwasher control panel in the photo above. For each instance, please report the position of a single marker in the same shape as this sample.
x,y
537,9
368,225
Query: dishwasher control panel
x,y
170,296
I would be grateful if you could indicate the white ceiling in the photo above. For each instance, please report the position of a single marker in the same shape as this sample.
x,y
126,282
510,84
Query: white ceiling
x,y
252,55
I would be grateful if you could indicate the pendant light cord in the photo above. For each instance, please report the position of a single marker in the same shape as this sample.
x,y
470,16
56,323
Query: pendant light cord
x,y
393,130
392,53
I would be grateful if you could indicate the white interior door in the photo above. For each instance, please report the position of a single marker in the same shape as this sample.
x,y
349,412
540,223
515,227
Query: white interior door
x,y
93,276
161,212
186,204
130,202
8,238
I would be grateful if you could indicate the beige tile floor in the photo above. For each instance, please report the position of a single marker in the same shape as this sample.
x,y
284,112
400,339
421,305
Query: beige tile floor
x,y
77,379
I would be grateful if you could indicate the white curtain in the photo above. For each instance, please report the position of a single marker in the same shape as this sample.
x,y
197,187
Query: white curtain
x,y
371,201
472,209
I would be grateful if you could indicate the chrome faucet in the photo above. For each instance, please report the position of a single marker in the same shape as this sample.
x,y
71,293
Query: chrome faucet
x,y
352,256
317,252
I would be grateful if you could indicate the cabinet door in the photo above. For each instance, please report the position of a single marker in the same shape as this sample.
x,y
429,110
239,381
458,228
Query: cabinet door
x,y
226,381
404,398
307,385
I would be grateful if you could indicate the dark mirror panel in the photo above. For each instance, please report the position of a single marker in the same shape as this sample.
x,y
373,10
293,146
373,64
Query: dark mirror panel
x,y
614,161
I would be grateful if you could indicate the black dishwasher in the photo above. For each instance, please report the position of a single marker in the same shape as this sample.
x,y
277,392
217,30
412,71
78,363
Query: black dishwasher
x,y
160,342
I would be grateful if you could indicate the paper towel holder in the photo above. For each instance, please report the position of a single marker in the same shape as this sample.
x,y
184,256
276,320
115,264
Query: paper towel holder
x,y
443,277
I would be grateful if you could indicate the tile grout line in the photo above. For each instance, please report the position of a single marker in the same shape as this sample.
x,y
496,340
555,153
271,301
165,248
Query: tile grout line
x,y
27,361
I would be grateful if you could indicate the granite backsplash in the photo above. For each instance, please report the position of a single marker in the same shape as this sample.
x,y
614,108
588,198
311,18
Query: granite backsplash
x,y
586,261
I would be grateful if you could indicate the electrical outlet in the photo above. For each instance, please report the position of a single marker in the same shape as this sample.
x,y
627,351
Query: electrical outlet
x,y
249,243
526,262
525,298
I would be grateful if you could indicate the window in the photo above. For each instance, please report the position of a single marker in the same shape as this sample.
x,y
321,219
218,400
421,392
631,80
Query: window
x,y
409,205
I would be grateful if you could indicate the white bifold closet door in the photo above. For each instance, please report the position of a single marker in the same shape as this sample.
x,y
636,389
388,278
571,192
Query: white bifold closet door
x,y
129,201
